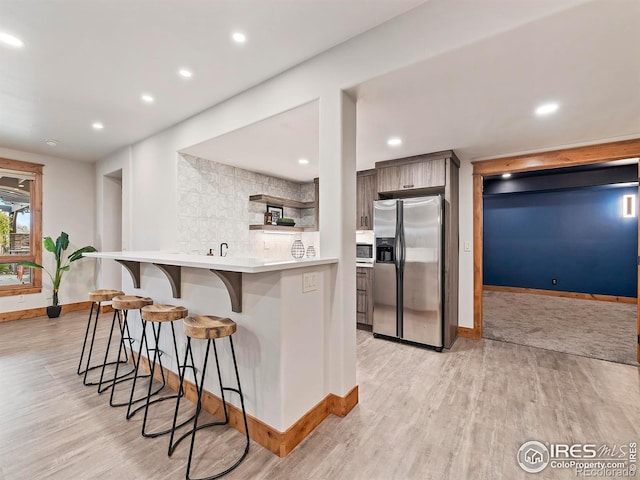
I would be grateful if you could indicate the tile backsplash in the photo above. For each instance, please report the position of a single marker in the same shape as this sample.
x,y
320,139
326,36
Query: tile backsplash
x,y
214,207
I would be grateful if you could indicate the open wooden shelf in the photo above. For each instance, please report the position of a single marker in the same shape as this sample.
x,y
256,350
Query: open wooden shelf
x,y
281,202
282,228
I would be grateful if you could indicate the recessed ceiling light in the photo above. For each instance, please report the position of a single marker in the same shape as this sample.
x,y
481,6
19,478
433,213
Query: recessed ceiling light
x,y
303,161
51,142
506,175
10,40
184,73
394,141
239,37
146,98
547,108
97,125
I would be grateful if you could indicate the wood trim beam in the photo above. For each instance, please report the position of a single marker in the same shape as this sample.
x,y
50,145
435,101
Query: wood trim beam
x,y
567,157
11,164
465,332
41,311
233,282
36,223
477,256
19,290
280,443
557,293
134,270
174,275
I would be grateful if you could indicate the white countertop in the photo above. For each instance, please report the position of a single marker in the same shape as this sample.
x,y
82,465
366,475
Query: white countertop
x,y
364,264
229,264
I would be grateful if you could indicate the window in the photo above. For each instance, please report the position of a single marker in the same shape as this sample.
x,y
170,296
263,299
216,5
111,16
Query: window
x,y
20,226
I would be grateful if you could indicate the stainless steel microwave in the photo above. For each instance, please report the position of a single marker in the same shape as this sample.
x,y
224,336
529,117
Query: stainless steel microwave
x,y
364,252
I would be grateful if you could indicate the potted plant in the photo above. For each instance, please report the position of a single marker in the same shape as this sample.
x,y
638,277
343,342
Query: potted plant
x,y
58,248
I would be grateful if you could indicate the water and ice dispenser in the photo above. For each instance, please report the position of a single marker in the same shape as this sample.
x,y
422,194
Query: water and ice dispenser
x,y
385,250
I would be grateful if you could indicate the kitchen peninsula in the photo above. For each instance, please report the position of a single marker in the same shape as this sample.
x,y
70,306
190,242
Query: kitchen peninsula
x,y
282,311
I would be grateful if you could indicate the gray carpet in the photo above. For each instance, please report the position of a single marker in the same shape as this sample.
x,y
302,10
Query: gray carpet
x,y
590,328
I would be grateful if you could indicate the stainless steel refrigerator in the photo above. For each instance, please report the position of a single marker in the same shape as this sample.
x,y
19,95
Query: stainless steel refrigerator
x,y
407,280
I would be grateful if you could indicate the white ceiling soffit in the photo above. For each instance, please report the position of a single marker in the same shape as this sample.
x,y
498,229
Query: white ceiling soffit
x,y
480,99
87,61
272,146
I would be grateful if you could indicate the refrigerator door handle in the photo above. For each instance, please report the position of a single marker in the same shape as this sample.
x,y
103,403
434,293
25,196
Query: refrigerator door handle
x,y
400,243
396,244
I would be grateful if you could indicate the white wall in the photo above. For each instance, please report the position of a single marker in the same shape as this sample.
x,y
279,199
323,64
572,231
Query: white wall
x,y
68,204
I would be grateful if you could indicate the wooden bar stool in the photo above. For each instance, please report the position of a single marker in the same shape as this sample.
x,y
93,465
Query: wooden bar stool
x,y
207,327
157,315
122,304
97,297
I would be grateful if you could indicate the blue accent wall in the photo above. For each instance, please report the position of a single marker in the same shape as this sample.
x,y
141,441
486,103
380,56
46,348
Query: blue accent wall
x,y
577,236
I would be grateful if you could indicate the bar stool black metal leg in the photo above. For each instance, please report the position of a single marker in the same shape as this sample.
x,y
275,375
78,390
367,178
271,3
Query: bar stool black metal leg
x,y
117,377
86,335
244,412
199,407
175,396
106,355
89,368
143,342
188,354
157,357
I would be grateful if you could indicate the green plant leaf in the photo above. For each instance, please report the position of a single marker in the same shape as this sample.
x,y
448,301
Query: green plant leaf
x,y
77,255
65,268
49,245
62,242
30,265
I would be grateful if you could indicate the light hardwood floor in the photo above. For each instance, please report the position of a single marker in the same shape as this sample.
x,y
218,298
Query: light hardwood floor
x,y
461,414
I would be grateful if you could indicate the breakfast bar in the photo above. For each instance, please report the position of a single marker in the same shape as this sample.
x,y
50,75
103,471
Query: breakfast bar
x,y
282,309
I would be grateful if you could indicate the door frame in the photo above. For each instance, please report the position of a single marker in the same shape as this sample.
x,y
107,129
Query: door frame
x,y
567,157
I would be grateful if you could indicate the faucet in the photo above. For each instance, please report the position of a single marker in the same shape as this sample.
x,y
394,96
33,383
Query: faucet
x,y
224,244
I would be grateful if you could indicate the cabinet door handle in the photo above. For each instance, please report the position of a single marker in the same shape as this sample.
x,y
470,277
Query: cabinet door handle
x,y
366,220
408,186
361,221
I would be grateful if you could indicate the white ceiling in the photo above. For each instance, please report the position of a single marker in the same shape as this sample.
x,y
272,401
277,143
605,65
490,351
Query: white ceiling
x,y
272,146
479,100
86,61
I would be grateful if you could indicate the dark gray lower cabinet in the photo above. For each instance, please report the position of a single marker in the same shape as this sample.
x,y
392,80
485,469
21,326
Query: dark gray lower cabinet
x,y
364,295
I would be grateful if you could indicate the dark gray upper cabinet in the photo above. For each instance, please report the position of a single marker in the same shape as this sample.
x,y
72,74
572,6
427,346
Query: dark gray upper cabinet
x,y
366,193
412,173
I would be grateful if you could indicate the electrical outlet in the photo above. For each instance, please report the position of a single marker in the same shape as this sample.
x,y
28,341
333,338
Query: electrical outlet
x,y
309,282
20,298
467,246
554,281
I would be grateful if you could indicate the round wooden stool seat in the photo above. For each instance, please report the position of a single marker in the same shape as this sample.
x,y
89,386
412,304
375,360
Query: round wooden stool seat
x,y
208,327
130,302
163,313
103,295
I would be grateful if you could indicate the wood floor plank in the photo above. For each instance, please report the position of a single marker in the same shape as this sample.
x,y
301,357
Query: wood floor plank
x,y
461,414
